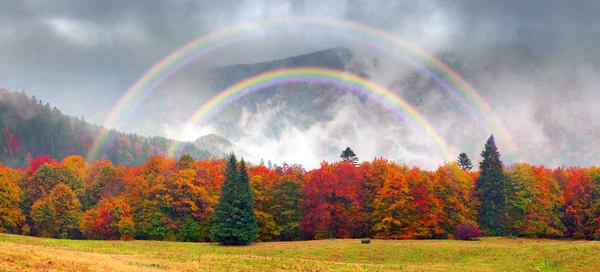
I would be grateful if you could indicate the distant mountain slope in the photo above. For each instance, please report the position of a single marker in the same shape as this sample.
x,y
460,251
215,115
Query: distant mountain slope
x,y
29,128
184,92
333,58
525,80
219,146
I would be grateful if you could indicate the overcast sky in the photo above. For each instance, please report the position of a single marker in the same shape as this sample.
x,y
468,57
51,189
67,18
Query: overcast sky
x,y
90,52
81,56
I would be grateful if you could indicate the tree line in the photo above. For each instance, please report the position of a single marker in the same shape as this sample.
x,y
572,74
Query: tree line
x,y
236,203
30,128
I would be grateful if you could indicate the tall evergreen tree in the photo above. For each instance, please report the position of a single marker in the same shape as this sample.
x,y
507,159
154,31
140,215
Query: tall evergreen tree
x,y
349,156
490,188
464,162
249,222
233,220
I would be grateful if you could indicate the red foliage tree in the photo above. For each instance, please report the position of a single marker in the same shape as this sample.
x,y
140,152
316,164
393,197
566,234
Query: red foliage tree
x,y
333,208
12,141
104,220
578,199
40,160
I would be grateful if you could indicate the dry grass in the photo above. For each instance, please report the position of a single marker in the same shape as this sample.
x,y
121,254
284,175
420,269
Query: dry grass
x,y
19,253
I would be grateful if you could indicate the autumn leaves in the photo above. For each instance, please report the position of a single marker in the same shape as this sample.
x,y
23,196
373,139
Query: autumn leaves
x,y
167,199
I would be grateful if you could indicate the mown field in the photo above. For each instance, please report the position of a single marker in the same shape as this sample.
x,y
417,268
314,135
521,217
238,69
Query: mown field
x,y
20,253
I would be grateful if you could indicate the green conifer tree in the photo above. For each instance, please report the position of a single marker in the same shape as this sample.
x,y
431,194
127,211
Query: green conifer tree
x,y
464,162
349,156
233,220
490,188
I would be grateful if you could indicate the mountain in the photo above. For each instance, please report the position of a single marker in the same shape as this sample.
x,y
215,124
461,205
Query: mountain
x,y
535,83
31,128
219,146
332,58
183,93
526,80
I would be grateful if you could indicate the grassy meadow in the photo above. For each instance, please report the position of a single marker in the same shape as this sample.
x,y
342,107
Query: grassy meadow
x,y
21,253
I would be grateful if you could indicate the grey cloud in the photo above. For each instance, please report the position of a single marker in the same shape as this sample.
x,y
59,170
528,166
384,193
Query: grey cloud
x,y
92,51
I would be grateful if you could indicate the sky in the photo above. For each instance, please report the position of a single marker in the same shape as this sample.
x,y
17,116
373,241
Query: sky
x,y
82,56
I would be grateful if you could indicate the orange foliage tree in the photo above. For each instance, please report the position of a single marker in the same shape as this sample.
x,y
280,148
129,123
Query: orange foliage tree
x,y
11,215
454,189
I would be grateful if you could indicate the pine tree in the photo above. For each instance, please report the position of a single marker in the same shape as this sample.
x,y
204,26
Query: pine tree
x,y
233,220
464,162
349,156
490,188
249,221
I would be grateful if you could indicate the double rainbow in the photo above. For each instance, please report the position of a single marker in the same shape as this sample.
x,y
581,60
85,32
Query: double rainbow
x,y
322,76
452,81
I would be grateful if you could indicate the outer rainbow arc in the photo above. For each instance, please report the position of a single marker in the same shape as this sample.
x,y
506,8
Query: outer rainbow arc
x,y
194,49
452,76
319,75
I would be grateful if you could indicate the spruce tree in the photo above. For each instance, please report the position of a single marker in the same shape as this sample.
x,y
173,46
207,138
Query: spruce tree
x,y
233,220
249,221
464,162
349,156
490,189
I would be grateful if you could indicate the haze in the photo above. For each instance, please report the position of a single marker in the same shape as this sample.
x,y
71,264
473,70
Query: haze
x,y
534,62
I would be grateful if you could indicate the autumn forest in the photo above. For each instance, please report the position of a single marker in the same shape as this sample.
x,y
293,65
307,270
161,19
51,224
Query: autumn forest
x,y
168,199
48,189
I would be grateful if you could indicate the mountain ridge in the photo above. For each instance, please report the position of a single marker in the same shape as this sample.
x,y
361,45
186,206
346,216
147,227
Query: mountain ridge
x,y
30,129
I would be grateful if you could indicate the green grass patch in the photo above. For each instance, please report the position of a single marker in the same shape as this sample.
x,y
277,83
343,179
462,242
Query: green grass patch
x,y
21,253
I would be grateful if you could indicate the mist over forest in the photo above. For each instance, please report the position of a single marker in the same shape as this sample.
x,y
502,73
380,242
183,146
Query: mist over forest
x,y
533,63
247,122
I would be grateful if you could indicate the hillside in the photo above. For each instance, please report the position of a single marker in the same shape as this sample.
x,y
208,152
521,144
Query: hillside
x,y
540,88
548,109
31,128
304,102
218,146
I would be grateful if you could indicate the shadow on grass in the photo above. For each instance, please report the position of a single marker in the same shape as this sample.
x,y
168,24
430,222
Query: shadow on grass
x,y
231,245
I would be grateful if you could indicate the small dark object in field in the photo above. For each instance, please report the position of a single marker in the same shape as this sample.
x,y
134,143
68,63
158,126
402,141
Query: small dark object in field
x,y
467,231
366,241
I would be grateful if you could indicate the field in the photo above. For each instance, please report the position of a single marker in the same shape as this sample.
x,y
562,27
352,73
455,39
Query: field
x,y
20,253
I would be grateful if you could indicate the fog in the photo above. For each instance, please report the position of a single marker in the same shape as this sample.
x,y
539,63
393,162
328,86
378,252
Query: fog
x,y
534,63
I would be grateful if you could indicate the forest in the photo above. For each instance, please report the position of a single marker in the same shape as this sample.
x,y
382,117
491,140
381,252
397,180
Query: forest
x,y
174,199
30,128
49,189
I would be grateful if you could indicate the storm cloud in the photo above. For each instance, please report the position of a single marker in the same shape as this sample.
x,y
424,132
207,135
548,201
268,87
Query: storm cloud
x,y
81,56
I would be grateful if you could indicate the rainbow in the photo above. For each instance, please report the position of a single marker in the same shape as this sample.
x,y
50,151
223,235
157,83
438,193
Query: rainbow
x,y
458,87
322,76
